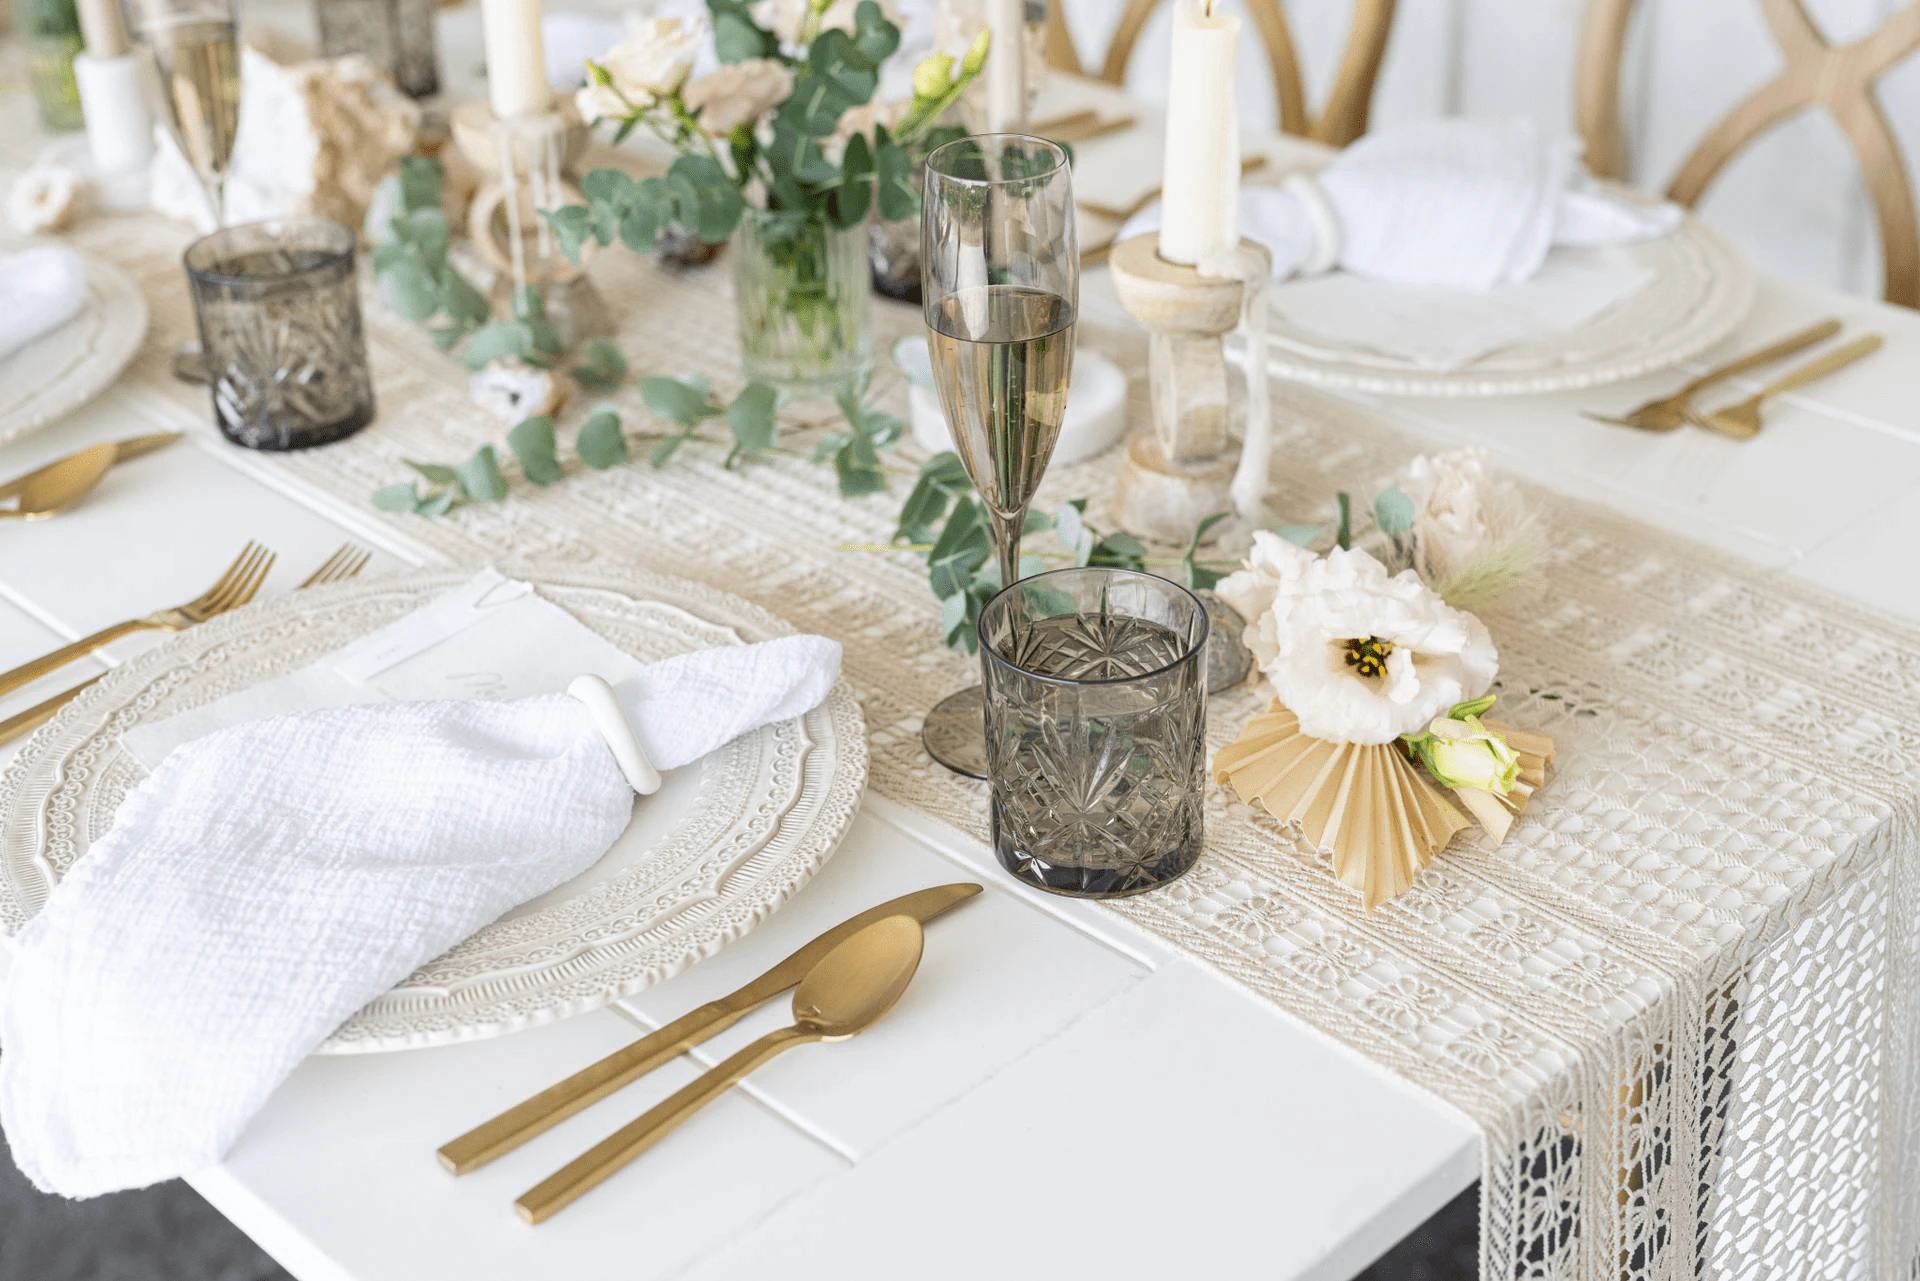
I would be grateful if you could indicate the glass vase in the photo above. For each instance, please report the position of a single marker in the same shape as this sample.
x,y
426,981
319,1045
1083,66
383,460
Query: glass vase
x,y
51,31
801,287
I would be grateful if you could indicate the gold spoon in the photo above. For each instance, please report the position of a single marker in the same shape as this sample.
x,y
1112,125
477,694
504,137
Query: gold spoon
x,y
52,490
851,987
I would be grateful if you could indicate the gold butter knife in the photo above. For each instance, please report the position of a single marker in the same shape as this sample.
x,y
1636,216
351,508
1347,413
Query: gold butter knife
x,y
590,1084
123,450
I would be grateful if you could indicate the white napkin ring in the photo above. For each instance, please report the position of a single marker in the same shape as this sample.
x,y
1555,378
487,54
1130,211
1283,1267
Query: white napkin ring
x,y
1305,188
612,723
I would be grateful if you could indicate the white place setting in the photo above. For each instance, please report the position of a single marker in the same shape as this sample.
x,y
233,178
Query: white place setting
x,y
758,637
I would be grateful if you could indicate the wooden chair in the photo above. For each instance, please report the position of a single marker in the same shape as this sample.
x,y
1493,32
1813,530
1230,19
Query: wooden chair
x,y
1344,117
1816,73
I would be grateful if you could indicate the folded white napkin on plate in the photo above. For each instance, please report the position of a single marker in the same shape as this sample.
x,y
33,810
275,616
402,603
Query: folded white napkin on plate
x,y
41,289
271,877
1466,204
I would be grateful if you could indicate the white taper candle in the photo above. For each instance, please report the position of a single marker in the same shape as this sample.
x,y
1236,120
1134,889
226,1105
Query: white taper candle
x,y
1007,66
516,59
1200,204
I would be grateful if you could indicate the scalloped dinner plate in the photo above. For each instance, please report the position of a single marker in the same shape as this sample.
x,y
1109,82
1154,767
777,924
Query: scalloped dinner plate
x,y
63,369
722,845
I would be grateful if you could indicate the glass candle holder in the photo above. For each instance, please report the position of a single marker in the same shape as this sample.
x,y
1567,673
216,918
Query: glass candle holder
x,y
50,29
278,305
394,35
1096,729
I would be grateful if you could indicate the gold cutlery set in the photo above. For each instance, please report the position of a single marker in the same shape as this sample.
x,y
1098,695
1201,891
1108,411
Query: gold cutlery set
x,y
843,982
235,587
1741,420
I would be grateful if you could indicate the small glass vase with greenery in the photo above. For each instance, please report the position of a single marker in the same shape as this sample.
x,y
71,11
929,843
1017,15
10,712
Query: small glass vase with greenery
x,y
782,148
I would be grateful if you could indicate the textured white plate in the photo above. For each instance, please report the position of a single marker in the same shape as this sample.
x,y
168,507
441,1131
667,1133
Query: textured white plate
x,y
723,844
58,372
1702,288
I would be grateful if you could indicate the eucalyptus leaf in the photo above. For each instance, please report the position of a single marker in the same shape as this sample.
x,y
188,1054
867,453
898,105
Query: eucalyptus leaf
x,y
1298,535
411,289
1393,511
750,417
605,365
481,478
421,183
436,473
573,226
895,192
493,341
663,450
677,401
601,444
441,503
736,38
533,444
397,498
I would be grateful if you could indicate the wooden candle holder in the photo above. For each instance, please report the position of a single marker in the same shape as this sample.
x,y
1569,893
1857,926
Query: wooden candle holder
x,y
526,164
1179,473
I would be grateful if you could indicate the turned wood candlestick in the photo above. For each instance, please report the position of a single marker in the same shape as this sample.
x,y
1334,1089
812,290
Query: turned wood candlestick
x,y
1179,473
527,164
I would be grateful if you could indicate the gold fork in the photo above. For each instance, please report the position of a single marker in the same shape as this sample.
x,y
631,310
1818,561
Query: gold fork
x,y
1669,412
235,588
345,563
1742,421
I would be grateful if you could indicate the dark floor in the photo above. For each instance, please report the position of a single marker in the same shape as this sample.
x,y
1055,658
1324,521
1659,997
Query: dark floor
x,y
168,1232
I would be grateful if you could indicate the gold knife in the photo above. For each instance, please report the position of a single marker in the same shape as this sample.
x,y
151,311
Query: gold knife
x,y
590,1084
122,451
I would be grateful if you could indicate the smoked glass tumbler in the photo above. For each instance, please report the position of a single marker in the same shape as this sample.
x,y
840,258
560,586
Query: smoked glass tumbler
x,y
279,310
1096,729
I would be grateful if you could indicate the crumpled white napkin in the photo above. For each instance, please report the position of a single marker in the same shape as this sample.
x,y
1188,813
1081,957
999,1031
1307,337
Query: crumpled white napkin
x,y
269,879
1467,204
41,289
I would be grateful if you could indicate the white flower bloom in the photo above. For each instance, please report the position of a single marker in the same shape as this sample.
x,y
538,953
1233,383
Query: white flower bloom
x,y
784,17
1358,655
1472,533
597,102
654,62
43,199
739,94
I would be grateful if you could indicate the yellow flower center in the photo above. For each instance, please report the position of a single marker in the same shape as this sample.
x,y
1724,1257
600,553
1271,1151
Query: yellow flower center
x,y
1367,655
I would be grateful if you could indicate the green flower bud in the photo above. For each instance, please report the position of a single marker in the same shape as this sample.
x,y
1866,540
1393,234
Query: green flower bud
x,y
1463,752
976,55
932,77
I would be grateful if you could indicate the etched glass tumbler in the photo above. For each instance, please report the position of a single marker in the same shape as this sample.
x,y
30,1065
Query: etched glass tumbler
x,y
1096,690
279,310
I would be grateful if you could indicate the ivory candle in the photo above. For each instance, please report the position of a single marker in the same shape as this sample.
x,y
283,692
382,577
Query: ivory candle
x,y
1200,207
516,59
102,28
1007,66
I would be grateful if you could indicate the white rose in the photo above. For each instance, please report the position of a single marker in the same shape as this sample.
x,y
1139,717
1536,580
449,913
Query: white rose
x,y
597,102
784,17
654,62
1357,655
739,94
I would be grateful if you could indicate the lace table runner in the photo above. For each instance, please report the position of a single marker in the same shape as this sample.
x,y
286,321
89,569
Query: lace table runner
x,y
1679,1000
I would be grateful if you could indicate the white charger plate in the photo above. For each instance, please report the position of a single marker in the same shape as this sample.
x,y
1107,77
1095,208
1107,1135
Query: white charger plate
x,y
723,844
1701,289
62,370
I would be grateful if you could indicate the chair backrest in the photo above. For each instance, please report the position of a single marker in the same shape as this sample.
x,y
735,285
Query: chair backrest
x,y
1344,117
1815,73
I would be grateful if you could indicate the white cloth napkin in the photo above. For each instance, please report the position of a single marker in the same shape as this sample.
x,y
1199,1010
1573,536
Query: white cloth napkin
x,y
271,877
41,289
1466,204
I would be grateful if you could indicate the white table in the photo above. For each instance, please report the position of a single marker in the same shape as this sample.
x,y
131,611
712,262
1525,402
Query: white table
x,y
976,1131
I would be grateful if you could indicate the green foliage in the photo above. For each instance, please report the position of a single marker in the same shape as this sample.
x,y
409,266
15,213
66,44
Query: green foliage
x,y
1198,576
605,366
410,258
601,443
533,444
855,452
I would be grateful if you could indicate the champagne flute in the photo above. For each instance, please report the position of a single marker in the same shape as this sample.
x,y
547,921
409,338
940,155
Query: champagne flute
x,y
1000,287
195,60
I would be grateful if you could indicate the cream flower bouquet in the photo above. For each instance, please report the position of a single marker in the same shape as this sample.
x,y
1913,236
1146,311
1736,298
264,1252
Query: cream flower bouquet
x,y
1375,743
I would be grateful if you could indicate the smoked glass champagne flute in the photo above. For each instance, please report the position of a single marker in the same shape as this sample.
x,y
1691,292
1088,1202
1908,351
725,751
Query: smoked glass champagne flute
x,y
1000,289
196,67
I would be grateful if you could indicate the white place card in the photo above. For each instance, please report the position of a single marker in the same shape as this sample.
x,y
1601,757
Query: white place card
x,y
491,637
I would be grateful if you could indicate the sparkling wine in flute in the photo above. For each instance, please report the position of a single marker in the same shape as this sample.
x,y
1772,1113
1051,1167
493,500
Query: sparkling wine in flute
x,y
1002,358
199,69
